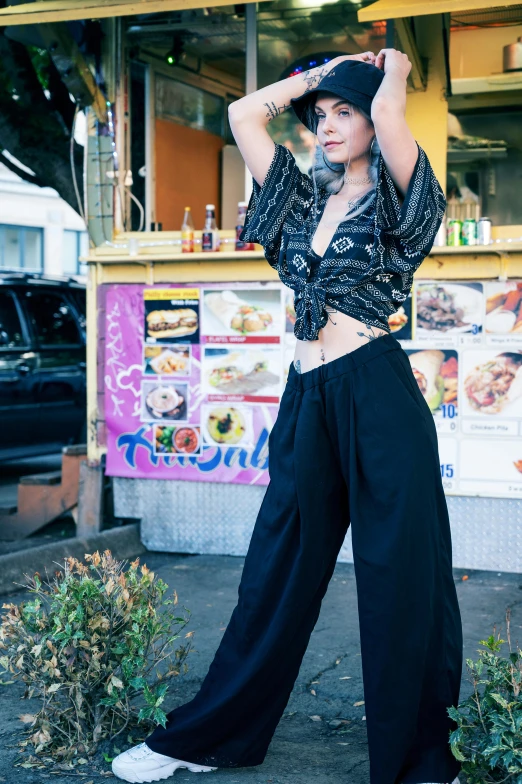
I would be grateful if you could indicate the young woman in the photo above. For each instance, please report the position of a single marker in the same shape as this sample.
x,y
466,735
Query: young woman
x,y
354,442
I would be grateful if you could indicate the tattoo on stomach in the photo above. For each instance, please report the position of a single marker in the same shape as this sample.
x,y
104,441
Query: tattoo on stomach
x,y
297,365
371,336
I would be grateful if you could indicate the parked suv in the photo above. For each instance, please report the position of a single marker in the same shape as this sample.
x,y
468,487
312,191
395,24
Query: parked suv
x,y
42,364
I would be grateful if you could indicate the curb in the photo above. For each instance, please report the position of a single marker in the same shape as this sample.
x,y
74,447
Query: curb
x,y
123,542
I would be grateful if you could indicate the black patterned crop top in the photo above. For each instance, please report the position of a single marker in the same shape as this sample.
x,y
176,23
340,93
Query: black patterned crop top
x,y
367,269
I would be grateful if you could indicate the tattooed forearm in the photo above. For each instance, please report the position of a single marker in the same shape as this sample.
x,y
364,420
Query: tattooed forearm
x,y
274,111
371,336
313,77
297,365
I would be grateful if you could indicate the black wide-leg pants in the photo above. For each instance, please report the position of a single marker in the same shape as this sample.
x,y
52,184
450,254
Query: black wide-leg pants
x,y
355,442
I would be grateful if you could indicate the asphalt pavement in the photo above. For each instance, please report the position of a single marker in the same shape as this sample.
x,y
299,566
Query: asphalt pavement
x,y
321,737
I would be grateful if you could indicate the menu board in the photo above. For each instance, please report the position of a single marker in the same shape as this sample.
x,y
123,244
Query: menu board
x,y
466,354
193,380
194,375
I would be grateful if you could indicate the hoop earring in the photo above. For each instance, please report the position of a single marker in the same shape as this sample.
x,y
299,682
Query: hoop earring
x,y
326,164
371,146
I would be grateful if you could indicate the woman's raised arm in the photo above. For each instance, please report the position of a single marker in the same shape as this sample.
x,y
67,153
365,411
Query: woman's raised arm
x,y
398,147
249,116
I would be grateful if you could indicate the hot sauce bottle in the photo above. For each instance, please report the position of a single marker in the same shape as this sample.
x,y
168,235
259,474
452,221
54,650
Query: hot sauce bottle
x,y
187,232
210,234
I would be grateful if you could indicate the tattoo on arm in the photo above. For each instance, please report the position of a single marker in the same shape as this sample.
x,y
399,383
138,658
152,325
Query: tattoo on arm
x,y
297,365
274,111
313,79
371,336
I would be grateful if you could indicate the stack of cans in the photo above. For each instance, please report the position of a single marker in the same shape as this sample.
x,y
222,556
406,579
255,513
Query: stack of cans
x,y
469,232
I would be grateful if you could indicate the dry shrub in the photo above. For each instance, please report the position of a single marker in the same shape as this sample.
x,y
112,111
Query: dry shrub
x,y
97,646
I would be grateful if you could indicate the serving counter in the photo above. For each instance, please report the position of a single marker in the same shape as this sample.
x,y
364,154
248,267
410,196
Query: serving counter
x,y
172,359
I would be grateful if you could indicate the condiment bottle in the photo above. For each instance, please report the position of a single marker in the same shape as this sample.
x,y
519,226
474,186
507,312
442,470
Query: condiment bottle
x,y
240,223
187,232
210,234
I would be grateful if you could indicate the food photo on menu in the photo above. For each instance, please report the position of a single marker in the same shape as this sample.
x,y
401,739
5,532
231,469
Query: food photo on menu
x,y
242,370
227,425
504,308
490,461
248,312
436,373
289,310
171,315
164,360
400,321
164,400
443,308
492,383
174,440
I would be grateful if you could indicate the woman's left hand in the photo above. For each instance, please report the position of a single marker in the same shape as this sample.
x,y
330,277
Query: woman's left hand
x,y
392,59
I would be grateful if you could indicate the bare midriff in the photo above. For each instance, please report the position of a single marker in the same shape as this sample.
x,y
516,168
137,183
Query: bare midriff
x,y
341,335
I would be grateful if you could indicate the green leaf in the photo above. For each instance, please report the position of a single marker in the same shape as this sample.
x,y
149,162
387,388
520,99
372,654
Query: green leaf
x,y
139,682
146,712
457,753
160,717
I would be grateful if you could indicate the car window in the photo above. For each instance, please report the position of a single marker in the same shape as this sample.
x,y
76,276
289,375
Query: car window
x,y
11,335
52,319
78,297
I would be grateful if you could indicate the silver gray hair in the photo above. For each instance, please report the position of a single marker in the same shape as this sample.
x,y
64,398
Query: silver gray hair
x,y
329,176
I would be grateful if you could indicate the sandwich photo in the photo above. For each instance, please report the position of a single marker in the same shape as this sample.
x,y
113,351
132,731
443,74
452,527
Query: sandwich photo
x,y
494,384
245,313
163,324
426,367
436,373
242,372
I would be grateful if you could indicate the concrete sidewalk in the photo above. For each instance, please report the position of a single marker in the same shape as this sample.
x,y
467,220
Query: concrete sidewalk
x,y
310,744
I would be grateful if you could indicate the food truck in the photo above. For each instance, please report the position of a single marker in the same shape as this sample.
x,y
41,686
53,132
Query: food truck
x,y
188,352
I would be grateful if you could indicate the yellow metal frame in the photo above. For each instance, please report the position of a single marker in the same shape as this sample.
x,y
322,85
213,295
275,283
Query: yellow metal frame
x,y
66,10
394,9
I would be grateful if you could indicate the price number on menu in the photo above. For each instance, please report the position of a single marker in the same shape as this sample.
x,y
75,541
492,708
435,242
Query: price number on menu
x,y
448,411
447,470
472,337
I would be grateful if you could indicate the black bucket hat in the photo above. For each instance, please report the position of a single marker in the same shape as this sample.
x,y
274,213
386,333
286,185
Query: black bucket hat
x,y
353,80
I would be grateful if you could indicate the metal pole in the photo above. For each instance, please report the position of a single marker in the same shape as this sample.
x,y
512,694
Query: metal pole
x,y
150,170
250,68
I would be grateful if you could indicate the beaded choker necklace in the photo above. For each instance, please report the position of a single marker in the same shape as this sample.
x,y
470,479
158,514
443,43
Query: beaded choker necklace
x,y
356,180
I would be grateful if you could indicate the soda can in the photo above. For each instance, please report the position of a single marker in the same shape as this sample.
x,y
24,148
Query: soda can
x,y
484,231
440,238
454,232
469,232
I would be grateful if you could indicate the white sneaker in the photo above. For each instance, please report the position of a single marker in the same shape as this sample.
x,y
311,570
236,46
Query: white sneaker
x,y
455,781
140,764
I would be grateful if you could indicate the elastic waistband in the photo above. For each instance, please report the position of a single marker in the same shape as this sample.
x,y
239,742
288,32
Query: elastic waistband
x,y
344,364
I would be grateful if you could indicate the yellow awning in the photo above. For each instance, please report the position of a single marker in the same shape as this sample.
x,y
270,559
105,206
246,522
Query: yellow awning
x,y
44,11
394,9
